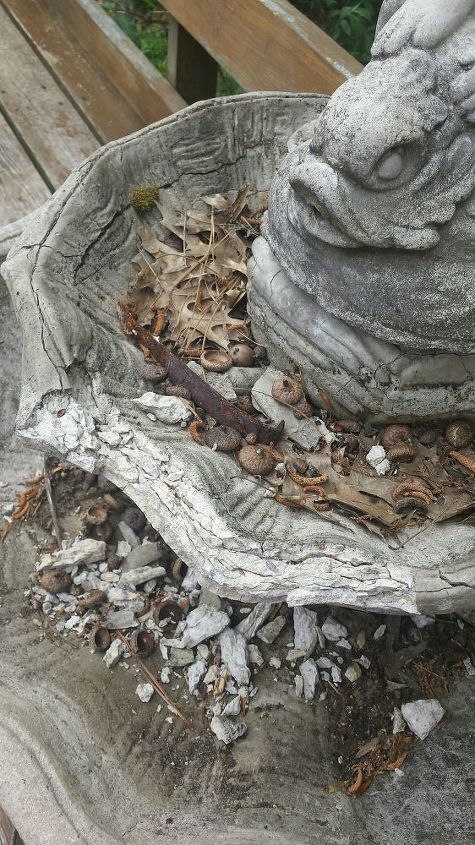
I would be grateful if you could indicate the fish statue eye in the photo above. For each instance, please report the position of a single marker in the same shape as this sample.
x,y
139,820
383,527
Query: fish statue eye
x,y
390,164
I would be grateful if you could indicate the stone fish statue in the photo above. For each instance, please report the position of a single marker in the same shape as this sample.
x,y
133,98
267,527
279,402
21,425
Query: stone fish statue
x,y
374,214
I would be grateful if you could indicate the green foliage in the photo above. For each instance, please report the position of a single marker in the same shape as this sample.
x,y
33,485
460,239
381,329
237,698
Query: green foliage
x,y
134,18
351,24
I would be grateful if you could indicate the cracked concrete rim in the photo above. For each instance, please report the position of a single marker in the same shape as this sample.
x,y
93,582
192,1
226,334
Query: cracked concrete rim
x,y
80,376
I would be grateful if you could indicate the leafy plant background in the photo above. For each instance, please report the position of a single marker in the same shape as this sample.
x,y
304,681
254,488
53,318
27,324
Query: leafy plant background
x,y
351,24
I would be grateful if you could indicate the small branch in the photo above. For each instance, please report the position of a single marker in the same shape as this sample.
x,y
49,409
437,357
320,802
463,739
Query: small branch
x,y
49,496
153,680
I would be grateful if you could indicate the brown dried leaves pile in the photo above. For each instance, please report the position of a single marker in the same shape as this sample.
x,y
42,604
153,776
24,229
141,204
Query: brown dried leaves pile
x,y
192,271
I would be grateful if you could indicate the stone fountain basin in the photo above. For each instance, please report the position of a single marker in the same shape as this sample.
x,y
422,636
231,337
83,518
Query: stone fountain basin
x,y
80,376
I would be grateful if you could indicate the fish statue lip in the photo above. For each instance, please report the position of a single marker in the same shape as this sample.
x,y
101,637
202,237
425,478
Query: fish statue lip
x,y
373,214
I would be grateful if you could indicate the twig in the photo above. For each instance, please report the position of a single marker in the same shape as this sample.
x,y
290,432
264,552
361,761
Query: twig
x,y
49,496
153,680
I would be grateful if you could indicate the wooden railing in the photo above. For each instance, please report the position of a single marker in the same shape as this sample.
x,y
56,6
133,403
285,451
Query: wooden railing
x,y
265,45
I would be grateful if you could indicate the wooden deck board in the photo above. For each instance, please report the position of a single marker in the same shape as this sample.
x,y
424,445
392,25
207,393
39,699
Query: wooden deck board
x,y
104,108
43,117
21,186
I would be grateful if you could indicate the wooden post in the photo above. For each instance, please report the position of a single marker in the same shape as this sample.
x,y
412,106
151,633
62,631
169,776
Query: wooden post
x,y
191,70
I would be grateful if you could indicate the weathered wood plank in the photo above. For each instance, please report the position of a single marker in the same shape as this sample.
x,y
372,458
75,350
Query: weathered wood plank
x,y
266,44
21,186
132,74
44,118
191,70
103,107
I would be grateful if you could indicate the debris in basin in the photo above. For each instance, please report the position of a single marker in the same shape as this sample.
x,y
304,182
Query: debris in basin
x,y
377,459
309,673
137,576
167,409
202,623
82,553
226,730
305,633
144,692
234,655
353,672
333,630
113,653
142,555
195,674
422,716
304,432
271,631
260,613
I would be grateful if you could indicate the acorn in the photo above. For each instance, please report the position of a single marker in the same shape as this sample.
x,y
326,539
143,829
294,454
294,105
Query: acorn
x,y
244,402
89,600
142,642
215,360
256,460
55,581
459,434
221,438
102,638
260,352
395,434
241,355
287,391
401,453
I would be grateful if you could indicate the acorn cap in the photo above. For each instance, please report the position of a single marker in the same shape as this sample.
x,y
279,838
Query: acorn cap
x,y
393,434
215,360
222,438
459,434
55,582
241,355
287,391
256,460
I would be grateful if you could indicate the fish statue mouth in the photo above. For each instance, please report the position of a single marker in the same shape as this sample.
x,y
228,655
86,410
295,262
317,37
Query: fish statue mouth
x,y
313,218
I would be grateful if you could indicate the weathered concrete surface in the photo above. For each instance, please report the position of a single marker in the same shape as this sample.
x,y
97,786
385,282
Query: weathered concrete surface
x,y
81,376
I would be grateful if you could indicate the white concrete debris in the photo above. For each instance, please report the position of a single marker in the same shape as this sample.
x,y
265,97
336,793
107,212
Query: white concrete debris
x,y
344,644
305,432
324,663
353,672
309,673
469,667
422,715
144,692
195,674
202,623
123,549
114,653
379,632
233,707
82,553
227,730
165,675
255,656
298,681
361,640
143,555
142,573
249,626
166,409
219,381
115,619
377,459
234,654
275,663
336,674
421,621
399,724
181,657
333,630
128,534
211,675
271,631
305,633
364,661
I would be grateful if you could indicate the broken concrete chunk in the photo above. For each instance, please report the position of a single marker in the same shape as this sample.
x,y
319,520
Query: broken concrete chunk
x,y
309,673
234,655
377,459
181,657
275,663
227,730
379,632
305,432
202,623
305,633
114,653
82,553
353,673
195,674
167,409
271,631
143,573
249,626
333,630
298,681
144,692
255,657
233,707
422,715
128,534
399,724
143,555
120,619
